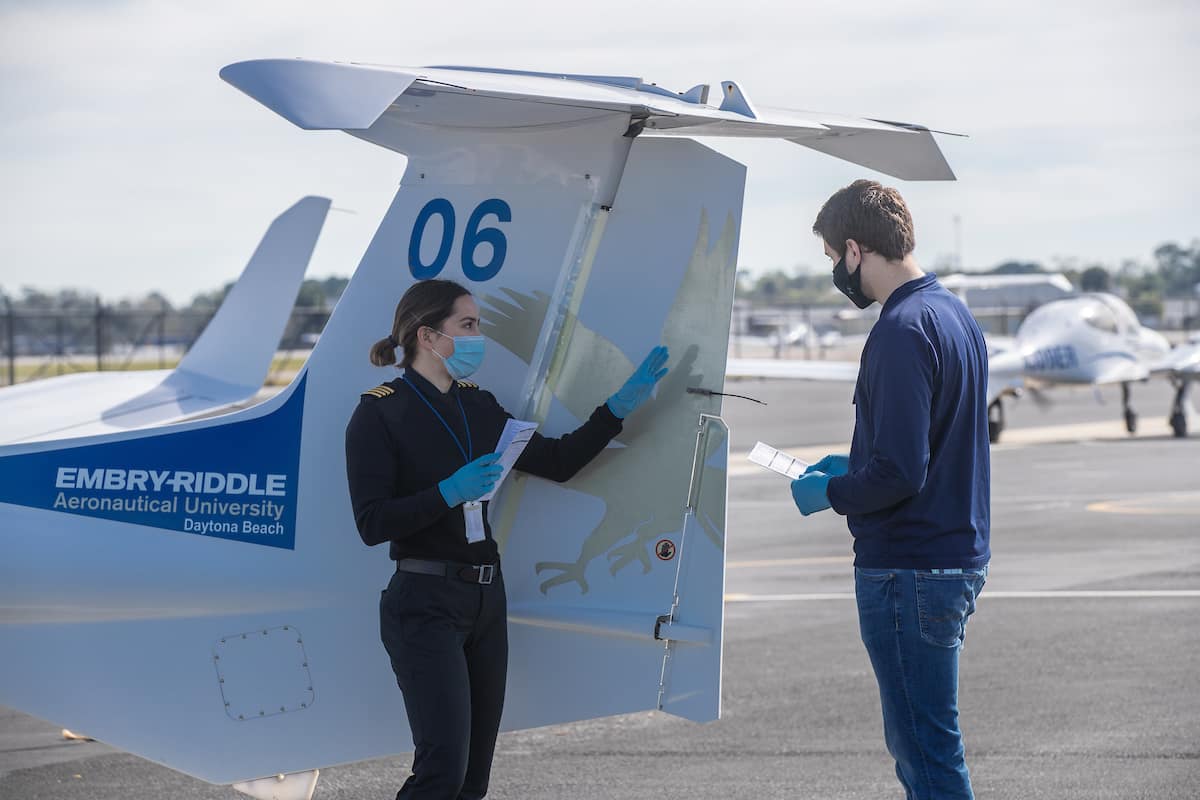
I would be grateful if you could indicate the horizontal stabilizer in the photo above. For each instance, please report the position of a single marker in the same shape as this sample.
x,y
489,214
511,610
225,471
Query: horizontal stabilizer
x,y
911,156
316,96
388,100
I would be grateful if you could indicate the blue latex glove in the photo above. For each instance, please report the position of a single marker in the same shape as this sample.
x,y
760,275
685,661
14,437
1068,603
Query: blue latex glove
x,y
810,492
831,465
640,385
472,481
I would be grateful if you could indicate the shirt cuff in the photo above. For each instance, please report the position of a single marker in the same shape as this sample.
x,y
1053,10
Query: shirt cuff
x,y
831,492
604,416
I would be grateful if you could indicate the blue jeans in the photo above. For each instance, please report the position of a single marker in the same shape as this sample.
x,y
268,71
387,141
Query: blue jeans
x,y
913,623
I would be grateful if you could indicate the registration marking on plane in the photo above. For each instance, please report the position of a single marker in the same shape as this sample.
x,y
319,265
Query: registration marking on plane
x,y
1061,594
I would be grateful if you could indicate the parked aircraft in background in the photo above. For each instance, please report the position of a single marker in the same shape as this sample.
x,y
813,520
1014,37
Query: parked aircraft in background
x,y
222,615
1092,340
226,365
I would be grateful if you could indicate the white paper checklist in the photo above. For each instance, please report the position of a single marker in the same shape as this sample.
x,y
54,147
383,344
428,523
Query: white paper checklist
x,y
777,461
513,439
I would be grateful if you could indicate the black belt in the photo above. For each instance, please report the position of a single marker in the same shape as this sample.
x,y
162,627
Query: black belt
x,y
482,574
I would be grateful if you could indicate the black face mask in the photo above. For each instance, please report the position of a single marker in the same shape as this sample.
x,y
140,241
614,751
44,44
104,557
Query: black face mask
x,y
850,283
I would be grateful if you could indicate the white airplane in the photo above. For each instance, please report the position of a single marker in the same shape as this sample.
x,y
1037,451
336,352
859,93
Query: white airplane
x,y
222,612
1091,340
226,365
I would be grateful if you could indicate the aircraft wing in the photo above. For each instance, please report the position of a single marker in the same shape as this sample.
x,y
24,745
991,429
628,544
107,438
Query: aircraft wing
x,y
225,366
1183,360
1006,373
94,402
798,369
376,102
1109,368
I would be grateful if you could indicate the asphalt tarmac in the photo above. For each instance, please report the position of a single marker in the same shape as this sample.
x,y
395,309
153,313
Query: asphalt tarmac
x,y
1079,676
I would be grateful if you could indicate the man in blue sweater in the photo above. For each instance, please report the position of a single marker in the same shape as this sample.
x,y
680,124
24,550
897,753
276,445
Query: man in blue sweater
x,y
915,487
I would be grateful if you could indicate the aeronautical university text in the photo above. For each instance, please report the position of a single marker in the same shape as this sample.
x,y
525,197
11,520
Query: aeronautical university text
x,y
170,505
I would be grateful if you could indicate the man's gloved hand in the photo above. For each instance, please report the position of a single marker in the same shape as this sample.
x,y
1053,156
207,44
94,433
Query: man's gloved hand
x,y
472,481
809,492
640,385
831,465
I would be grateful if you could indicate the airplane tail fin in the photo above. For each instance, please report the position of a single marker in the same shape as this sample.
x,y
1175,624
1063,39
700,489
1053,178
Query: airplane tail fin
x,y
239,342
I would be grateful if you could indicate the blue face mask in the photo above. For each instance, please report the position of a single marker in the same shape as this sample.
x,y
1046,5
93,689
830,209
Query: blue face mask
x,y
466,358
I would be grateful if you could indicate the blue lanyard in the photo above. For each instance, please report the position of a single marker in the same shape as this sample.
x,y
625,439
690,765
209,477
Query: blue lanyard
x,y
465,453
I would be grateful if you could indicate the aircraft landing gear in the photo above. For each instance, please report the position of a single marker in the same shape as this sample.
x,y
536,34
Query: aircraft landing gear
x,y
1178,418
1130,414
995,420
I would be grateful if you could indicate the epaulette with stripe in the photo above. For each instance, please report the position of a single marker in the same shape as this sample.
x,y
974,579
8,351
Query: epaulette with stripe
x,y
467,385
382,390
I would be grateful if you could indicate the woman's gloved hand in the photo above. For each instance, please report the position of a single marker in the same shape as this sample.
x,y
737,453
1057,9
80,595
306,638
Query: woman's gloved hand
x,y
831,465
810,492
472,481
640,385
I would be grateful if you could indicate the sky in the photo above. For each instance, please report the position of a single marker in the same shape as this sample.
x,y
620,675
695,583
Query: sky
x,y
128,166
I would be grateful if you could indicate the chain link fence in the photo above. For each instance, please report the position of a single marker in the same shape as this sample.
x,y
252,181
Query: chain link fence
x,y
42,344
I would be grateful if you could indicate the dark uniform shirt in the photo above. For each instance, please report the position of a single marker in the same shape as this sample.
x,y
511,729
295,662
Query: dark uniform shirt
x,y
918,492
397,451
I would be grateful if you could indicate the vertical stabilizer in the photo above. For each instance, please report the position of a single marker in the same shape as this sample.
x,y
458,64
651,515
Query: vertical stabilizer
x,y
239,342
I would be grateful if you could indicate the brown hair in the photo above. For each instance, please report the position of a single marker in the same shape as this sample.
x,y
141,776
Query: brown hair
x,y
425,304
871,214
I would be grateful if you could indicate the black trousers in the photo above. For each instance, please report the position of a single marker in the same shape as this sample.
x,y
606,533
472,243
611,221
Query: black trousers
x,y
448,642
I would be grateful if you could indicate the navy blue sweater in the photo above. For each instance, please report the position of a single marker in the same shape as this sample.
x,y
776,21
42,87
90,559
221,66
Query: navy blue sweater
x,y
917,495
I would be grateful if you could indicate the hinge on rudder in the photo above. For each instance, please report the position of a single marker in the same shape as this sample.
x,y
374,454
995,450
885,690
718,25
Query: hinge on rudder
x,y
662,675
666,630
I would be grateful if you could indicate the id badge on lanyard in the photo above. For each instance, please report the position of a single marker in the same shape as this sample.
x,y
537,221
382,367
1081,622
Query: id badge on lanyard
x,y
473,517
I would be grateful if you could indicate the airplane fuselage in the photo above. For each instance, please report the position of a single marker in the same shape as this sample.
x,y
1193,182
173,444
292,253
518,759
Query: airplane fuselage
x,y
1094,339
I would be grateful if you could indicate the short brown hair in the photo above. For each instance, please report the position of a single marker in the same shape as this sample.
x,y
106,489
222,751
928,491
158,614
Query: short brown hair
x,y
425,304
871,214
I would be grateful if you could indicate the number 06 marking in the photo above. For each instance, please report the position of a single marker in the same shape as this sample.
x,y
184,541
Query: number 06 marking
x,y
473,237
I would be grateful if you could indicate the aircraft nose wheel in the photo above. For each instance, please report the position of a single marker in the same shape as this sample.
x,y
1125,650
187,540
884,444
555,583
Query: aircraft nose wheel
x,y
1131,421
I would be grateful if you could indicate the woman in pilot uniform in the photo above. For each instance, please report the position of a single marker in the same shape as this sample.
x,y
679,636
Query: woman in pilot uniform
x,y
418,458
